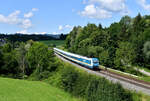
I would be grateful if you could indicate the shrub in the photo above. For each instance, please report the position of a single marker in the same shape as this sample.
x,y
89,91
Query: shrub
x,y
87,86
69,77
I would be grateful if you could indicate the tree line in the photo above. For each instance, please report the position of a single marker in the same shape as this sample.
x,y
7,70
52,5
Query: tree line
x,y
26,37
122,45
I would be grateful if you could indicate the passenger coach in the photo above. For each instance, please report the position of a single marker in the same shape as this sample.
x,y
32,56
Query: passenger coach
x,y
92,63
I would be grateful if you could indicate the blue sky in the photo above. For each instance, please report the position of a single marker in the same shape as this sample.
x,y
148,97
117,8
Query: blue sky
x,y
59,16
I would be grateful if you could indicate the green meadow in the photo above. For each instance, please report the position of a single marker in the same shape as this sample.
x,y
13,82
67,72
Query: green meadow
x,y
22,90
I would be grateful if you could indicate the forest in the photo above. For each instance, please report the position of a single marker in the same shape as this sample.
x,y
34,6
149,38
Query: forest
x,y
123,45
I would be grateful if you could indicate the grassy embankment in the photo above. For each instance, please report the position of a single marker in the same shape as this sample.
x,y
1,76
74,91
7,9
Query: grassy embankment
x,y
22,90
144,77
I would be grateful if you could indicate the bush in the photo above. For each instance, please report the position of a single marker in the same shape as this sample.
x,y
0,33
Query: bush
x,y
88,86
81,83
69,77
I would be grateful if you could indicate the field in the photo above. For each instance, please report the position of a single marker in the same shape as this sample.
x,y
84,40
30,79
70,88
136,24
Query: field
x,y
54,42
21,90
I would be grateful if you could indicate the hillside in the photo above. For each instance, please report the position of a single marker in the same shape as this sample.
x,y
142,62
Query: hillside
x,y
21,90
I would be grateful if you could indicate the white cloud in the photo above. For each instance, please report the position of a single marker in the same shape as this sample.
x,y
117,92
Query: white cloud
x,y
26,32
23,32
14,19
101,9
68,26
35,9
144,4
41,33
93,11
111,5
11,18
28,15
60,27
26,23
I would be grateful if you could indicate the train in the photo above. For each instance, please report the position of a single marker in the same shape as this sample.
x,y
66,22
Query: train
x,y
92,63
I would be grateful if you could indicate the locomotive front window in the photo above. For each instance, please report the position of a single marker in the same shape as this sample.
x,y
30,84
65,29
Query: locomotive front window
x,y
95,61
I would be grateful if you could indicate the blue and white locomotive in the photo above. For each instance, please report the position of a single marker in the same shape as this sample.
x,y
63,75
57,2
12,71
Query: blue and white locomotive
x,y
92,63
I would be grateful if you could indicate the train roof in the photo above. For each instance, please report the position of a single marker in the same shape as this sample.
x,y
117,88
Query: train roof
x,y
76,55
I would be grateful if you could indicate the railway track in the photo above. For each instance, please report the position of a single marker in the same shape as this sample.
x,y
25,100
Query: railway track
x,y
126,81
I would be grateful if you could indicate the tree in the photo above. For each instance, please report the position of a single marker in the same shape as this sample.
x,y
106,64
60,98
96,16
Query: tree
x,y
1,56
138,25
100,26
94,51
146,51
138,43
10,64
125,56
21,53
71,42
39,58
99,38
104,58
125,24
113,31
7,48
62,36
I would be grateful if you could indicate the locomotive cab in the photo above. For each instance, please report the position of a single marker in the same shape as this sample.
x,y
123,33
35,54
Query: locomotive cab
x,y
95,62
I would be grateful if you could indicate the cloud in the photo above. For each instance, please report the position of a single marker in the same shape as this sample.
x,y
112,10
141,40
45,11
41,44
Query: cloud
x,y
101,9
28,15
35,9
23,32
93,11
26,23
144,4
23,22
26,32
14,19
41,33
60,27
111,5
68,26
11,18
